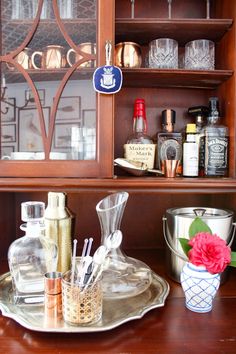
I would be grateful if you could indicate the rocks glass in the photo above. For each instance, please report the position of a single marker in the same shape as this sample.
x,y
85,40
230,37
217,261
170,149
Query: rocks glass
x,y
200,55
163,53
81,305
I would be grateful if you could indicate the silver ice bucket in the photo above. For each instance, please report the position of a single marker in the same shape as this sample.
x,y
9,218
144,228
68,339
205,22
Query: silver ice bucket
x,y
176,223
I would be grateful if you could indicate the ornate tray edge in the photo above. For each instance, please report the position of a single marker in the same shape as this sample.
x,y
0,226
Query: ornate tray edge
x,y
89,329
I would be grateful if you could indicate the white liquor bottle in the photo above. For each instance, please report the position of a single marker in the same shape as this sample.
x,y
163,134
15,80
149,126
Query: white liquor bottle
x,y
190,152
31,256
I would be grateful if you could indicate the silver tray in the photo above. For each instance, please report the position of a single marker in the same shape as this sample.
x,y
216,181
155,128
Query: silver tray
x,y
115,312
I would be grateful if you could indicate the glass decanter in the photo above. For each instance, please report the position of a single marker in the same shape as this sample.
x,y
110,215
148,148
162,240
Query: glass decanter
x,y
125,276
31,256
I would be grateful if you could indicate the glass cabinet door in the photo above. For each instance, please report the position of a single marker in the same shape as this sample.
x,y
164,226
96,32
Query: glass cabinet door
x,y
53,123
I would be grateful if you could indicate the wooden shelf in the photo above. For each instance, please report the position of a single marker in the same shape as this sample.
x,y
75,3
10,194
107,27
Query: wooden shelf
x,y
50,75
141,77
144,30
145,77
133,184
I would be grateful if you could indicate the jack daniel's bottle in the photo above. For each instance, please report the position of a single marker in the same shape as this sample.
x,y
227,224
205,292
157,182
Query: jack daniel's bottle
x,y
139,146
216,143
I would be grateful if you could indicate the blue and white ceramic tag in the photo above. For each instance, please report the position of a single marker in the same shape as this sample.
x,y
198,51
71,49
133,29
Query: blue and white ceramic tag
x,y
107,79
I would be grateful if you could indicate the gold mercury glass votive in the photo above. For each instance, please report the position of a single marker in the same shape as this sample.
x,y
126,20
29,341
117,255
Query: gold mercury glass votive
x,y
81,307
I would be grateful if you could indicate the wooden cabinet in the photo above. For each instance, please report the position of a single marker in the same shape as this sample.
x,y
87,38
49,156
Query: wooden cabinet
x,y
86,182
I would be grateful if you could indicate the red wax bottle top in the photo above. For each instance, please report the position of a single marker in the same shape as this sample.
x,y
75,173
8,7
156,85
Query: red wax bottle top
x,y
139,108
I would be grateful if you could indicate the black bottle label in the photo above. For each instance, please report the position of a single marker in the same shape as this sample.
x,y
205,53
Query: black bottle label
x,y
216,156
201,152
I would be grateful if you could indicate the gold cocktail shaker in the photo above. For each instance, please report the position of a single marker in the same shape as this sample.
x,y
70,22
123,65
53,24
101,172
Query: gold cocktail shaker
x,y
58,227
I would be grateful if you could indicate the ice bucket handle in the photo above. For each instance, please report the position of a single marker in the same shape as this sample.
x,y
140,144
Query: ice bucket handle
x,y
182,256
232,238
168,242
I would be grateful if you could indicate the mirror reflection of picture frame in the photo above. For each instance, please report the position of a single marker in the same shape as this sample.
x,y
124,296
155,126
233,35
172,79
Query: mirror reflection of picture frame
x,y
30,97
10,109
89,118
8,133
7,149
69,108
62,134
29,132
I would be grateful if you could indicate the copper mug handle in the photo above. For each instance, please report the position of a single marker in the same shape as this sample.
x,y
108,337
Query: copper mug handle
x,y
33,57
71,50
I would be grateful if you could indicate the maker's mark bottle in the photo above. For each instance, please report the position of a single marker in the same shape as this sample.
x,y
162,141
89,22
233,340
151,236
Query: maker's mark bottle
x,y
139,146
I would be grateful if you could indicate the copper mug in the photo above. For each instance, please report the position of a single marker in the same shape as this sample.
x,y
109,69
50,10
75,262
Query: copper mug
x,y
52,57
23,58
128,55
88,48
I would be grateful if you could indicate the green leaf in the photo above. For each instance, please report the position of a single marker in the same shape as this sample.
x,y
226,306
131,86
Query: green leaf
x,y
233,259
184,244
198,225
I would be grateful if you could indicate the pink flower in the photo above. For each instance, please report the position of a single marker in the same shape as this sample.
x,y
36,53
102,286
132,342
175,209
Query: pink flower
x,y
210,251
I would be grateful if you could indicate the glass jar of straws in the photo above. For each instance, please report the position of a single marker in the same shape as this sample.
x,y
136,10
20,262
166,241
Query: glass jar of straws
x,y
82,296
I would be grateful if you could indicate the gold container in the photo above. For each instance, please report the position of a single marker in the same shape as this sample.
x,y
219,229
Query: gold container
x,y
58,227
88,48
128,55
81,306
52,57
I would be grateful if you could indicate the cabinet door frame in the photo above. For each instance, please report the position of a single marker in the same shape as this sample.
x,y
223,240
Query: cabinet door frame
x,y
102,167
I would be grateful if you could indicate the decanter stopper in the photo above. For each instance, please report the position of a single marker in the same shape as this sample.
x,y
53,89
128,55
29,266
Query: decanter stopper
x,y
32,211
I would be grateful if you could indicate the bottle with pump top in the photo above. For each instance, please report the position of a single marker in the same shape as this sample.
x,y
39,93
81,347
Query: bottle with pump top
x,y
199,113
139,146
216,143
31,256
190,152
169,142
